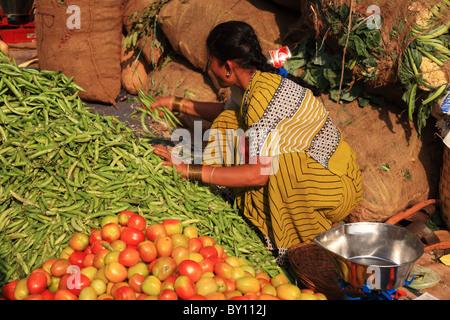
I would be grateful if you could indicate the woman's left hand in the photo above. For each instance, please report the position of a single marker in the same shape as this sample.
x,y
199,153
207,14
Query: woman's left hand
x,y
170,160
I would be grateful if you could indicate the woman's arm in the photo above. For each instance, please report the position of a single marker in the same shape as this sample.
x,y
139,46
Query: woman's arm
x,y
254,174
205,110
246,175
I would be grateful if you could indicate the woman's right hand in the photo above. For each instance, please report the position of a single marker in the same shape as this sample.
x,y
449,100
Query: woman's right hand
x,y
165,102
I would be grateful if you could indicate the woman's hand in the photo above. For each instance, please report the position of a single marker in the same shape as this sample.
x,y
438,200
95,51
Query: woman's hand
x,y
170,160
162,102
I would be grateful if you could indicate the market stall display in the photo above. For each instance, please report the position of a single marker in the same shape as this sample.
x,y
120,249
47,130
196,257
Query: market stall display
x,y
128,259
64,167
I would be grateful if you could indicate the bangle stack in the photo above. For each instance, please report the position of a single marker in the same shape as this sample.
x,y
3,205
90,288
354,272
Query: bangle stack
x,y
177,103
194,172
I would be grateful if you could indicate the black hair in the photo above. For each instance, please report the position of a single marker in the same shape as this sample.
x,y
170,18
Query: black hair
x,y
237,41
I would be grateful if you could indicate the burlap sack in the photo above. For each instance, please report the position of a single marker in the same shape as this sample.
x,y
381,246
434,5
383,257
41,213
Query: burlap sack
x,y
91,53
135,70
187,24
179,78
152,50
384,136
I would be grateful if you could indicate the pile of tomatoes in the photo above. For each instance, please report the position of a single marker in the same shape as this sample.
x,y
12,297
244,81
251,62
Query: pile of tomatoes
x,y
128,259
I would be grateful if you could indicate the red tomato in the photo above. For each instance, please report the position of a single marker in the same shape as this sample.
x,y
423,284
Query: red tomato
x,y
167,294
172,226
96,234
207,241
209,252
111,232
47,275
132,236
77,258
180,254
207,265
59,267
219,249
36,282
8,290
231,285
222,285
115,272
184,287
168,283
164,246
137,221
97,245
128,257
76,282
164,267
99,259
223,269
125,293
48,295
147,251
154,231
34,296
88,260
64,294
191,269
194,245
79,241
88,249
135,282
124,216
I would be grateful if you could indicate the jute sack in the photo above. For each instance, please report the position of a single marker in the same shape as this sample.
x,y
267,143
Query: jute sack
x,y
91,53
384,138
135,70
152,50
187,24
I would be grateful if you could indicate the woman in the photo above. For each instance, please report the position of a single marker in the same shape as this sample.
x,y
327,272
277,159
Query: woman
x,y
300,177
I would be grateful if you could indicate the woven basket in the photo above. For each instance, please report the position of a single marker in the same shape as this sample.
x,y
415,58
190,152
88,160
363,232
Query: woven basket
x,y
315,269
444,187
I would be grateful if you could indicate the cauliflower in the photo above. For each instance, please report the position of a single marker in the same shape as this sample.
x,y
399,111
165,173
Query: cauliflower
x,y
423,16
432,74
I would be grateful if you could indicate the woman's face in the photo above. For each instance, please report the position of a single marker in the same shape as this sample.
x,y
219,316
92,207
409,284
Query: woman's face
x,y
220,72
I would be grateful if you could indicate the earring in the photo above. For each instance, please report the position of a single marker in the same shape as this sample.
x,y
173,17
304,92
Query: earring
x,y
228,74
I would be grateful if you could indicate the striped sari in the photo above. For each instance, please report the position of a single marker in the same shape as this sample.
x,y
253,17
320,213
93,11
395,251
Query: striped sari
x,y
315,180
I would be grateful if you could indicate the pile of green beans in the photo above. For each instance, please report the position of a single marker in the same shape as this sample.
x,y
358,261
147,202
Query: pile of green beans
x,y
64,167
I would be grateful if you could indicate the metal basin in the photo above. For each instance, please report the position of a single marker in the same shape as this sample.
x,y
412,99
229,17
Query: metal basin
x,y
377,255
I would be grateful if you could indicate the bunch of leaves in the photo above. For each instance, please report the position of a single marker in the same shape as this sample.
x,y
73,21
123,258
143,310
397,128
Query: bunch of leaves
x,y
143,24
364,45
322,68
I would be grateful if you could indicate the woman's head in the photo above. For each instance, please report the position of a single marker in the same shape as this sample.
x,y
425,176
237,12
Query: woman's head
x,y
236,41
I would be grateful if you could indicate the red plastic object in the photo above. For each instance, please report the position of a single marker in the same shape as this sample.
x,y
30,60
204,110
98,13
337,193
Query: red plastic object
x,y
12,34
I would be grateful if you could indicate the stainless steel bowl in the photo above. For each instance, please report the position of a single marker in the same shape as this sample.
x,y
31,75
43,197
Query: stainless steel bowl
x,y
377,255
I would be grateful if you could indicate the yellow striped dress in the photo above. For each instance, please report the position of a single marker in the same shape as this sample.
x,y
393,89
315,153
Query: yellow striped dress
x,y
314,180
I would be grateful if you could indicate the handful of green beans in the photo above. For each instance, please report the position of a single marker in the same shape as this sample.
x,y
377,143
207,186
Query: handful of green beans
x,y
167,117
63,168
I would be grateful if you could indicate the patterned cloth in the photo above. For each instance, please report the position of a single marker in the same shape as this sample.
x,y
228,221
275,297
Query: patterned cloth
x,y
316,181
